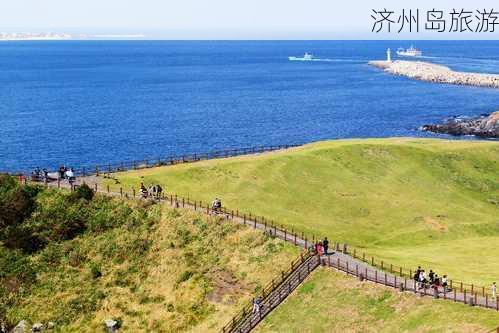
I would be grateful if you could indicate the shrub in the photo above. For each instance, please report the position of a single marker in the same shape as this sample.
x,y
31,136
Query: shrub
x,y
83,192
95,270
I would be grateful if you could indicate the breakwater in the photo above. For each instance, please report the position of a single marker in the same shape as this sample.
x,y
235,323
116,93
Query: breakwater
x,y
429,72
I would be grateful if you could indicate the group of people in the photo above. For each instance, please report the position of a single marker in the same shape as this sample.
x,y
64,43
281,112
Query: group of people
x,y
153,191
321,247
38,175
63,173
67,173
431,279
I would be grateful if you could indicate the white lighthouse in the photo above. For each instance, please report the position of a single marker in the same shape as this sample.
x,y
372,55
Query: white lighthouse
x,y
388,55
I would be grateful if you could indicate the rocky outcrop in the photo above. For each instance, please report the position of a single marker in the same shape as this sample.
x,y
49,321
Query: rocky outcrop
x,y
426,71
485,126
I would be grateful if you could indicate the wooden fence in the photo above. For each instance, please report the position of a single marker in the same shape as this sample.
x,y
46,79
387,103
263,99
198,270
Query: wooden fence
x,y
273,293
175,159
480,295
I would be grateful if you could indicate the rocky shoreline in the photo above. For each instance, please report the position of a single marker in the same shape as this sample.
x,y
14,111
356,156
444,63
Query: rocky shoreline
x,y
429,72
484,126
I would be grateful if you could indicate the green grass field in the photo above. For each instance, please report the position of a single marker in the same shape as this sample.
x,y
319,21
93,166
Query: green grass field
x,y
154,268
407,201
329,301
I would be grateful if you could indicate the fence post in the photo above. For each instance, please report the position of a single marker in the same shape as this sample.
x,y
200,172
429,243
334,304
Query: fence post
x,y
455,300
121,192
133,191
464,296
284,234
244,219
107,188
95,187
295,238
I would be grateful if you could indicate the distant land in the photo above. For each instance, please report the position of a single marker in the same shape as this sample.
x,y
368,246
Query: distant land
x,y
16,36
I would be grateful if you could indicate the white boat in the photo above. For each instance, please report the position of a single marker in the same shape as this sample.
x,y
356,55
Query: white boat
x,y
410,52
306,57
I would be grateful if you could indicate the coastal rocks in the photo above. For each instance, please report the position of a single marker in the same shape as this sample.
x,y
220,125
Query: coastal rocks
x,y
429,72
485,126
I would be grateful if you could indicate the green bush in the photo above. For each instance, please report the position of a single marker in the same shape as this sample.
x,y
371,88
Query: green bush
x,y
83,192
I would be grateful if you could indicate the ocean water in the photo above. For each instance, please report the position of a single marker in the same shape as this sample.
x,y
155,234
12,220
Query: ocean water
x,y
98,102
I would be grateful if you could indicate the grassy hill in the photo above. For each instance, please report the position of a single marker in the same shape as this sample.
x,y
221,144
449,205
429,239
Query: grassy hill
x,y
408,201
329,301
77,260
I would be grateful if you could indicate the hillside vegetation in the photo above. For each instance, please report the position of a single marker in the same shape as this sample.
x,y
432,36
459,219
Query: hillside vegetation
x,y
329,301
78,259
407,201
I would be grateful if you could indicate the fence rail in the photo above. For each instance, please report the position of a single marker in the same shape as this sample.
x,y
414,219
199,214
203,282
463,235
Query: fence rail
x,y
273,294
174,159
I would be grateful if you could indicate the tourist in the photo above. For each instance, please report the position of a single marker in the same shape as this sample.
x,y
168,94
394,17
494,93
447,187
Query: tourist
x,y
256,305
417,273
422,279
494,291
436,280
70,176
143,190
431,275
444,282
159,191
45,175
62,171
325,244
216,205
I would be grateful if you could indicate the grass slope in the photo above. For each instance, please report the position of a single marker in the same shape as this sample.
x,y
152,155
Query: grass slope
x,y
329,301
158,269
407,201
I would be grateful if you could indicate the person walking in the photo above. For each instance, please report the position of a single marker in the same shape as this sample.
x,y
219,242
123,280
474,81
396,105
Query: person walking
x,y
256,305
159,191
444,283
325,244
494,291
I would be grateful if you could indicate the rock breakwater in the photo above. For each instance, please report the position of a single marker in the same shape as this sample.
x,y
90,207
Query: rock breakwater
x,y
429,72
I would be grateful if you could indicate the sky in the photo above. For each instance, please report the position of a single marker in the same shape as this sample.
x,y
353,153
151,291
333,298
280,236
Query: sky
x,y
226,19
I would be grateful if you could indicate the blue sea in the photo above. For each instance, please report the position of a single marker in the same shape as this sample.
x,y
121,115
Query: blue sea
x,y
99,102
